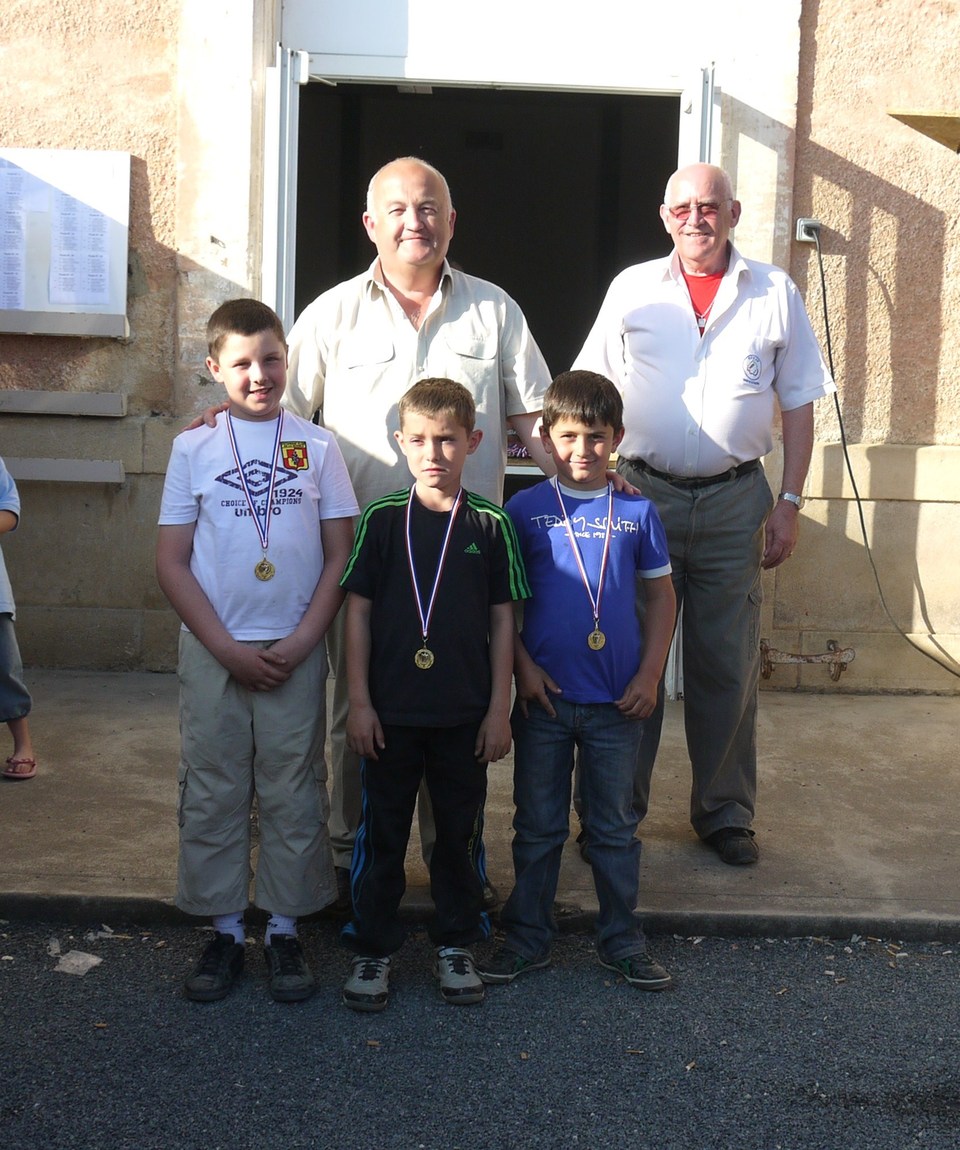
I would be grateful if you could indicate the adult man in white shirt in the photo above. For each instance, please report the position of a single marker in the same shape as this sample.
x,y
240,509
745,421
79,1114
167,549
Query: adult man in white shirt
x,y
700,343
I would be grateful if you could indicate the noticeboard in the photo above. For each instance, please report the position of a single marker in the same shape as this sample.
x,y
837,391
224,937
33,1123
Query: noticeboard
x,y
64,223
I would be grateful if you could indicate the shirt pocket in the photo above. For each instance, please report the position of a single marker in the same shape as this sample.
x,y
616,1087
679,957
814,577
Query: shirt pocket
x,y
473,359
361,349
470,344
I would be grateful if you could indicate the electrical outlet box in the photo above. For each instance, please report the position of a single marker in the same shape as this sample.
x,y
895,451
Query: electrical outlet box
x,y
808,231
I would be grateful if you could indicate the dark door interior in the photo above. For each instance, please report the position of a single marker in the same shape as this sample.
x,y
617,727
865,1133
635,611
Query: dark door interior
x,y
555,191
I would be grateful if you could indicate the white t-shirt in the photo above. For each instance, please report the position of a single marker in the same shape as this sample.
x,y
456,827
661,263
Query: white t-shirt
x,y
203,486
699,405
353,353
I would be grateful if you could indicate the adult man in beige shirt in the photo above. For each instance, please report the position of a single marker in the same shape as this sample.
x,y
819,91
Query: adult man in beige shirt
x,y
359,346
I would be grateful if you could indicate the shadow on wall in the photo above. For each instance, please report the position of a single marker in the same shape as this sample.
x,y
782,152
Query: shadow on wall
x,y
883,252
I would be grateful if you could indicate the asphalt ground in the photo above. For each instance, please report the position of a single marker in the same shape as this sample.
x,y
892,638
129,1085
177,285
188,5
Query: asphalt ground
x,y
782,1044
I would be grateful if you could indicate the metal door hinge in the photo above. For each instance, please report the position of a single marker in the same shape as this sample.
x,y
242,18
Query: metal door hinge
x,y
835,657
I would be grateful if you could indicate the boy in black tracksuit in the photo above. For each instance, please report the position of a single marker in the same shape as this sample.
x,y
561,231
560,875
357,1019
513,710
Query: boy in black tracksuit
x,y
429,633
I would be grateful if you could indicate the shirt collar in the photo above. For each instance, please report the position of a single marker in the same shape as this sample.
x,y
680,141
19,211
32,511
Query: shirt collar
x,y
736,266
374,282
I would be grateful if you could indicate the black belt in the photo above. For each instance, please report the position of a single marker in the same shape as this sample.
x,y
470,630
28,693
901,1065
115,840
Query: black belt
x,y
696,480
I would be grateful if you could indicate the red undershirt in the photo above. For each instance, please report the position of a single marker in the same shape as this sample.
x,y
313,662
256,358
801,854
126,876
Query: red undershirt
x,y
703,291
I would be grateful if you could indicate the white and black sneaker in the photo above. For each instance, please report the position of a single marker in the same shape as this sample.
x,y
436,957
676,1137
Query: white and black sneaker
x,y
368,985
459,981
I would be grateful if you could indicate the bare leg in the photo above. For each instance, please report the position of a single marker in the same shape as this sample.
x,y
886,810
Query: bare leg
x,y
22,763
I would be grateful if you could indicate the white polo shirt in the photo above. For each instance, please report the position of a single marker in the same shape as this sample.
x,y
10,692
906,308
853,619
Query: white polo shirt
x,y
353,353
699,405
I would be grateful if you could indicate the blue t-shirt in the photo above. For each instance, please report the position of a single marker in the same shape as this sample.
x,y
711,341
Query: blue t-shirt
x,y
559,617
9,501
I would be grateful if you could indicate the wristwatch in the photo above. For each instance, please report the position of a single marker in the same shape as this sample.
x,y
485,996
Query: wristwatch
x,y
796,500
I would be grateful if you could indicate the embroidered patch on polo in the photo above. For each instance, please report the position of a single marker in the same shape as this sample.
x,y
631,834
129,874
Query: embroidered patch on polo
x,y
294,455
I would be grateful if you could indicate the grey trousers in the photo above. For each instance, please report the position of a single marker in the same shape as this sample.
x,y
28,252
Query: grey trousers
x,y
715,536
236,743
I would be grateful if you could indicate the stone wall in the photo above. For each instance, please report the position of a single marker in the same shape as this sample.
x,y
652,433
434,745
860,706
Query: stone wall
x,y
170,82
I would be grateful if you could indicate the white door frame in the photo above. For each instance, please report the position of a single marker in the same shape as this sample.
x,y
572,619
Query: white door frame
x,y
294,68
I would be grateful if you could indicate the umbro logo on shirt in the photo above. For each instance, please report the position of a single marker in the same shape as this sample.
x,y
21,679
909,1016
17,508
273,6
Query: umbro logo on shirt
x,y
473,549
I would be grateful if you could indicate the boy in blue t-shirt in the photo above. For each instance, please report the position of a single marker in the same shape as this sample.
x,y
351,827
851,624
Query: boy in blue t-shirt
x,y
586,678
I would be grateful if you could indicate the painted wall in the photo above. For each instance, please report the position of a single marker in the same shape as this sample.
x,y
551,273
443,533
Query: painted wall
x,y
887,197
804,89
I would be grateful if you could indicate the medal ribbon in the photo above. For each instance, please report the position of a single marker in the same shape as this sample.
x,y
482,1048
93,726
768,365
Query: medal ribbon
x,y
594,602
262,530
425,618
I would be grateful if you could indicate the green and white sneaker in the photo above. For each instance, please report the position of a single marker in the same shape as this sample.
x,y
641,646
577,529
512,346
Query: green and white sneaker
x,y
368,985
459,982
640,970
506,965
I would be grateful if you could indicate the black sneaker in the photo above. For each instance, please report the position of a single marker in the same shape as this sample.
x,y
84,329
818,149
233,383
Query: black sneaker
x,y
735,845
639,970
290,977
220,965
506,965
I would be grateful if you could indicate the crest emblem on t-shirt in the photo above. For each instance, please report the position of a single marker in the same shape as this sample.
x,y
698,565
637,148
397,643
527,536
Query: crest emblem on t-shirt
x,y
294,455
752,367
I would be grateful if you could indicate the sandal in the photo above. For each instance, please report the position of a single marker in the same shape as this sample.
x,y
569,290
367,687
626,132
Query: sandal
x,y
14,773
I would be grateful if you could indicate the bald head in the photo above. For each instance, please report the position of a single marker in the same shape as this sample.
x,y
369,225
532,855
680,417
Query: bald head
x,y
406,162
699,213
697,173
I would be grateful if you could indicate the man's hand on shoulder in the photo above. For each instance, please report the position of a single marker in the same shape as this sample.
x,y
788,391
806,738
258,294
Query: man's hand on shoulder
x,y
207,417
622,485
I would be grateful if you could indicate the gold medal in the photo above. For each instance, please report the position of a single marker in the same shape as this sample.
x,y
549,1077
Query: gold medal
x,y
264,570
596,640
424,656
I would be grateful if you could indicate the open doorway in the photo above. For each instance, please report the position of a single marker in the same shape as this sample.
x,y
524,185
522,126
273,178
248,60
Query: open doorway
x,y
555,191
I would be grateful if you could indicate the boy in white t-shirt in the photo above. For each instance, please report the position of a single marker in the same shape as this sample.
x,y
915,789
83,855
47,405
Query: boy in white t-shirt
x,y
256,525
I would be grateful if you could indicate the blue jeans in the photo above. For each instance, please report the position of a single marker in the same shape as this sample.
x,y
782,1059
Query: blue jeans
x,y
543,756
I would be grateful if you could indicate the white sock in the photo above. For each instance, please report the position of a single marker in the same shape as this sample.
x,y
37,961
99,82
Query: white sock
x,y
231,924
281,924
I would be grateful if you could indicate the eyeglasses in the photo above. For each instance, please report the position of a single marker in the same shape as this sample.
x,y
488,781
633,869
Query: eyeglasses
x,y
709,210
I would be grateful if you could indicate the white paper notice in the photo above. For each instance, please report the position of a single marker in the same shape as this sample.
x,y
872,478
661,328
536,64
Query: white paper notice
x,y
13,240
79,256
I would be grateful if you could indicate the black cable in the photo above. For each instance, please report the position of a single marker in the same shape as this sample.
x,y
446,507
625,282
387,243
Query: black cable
x,y
856,492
